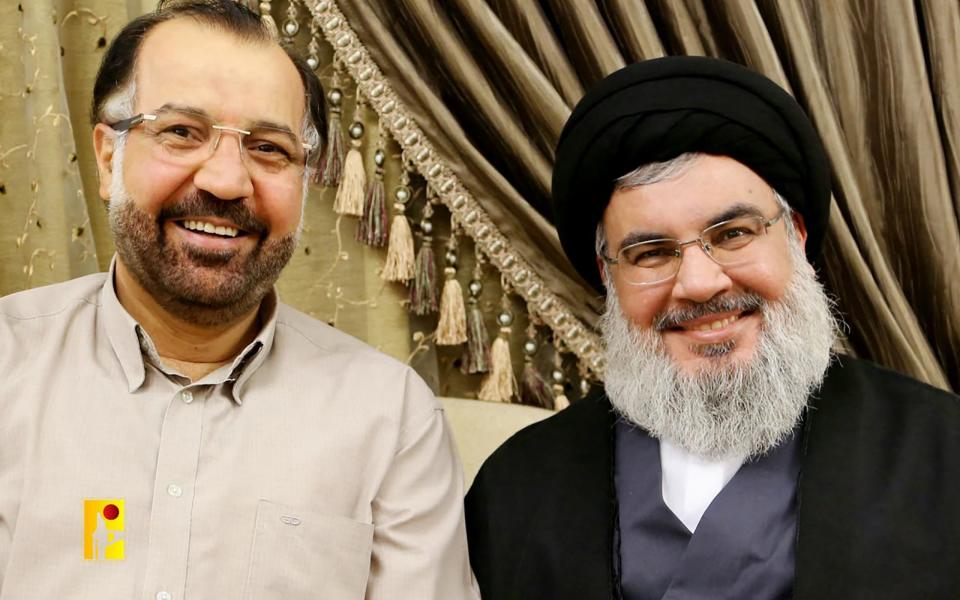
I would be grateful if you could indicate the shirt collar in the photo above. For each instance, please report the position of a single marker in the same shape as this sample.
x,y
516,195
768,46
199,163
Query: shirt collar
x,y
130,341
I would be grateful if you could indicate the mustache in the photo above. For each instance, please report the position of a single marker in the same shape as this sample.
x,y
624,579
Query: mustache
x,y
205,204
740,303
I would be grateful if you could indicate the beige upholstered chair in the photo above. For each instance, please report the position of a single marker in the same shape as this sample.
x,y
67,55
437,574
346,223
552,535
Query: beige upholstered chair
x,y
480,427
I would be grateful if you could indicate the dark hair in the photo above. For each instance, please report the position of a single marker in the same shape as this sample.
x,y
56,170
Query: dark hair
x,y
116,69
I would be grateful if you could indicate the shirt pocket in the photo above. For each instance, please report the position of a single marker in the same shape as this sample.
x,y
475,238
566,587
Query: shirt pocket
x,y
298,554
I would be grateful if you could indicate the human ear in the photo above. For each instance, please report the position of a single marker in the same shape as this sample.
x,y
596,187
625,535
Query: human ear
x,y
104,139
801,229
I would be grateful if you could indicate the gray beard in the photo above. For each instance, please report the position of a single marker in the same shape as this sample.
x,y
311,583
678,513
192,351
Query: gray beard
x,y
730,408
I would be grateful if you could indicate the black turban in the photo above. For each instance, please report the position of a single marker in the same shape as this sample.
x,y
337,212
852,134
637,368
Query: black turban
x,y
655,110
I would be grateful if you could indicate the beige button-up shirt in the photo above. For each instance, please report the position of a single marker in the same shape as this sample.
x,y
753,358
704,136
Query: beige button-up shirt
x,y
310,467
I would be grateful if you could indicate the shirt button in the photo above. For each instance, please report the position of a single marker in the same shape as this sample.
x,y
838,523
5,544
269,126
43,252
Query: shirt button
x,y
164,596
176,491
187,396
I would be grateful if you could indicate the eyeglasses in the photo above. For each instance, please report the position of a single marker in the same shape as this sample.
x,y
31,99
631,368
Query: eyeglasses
x,y
727,243
188,138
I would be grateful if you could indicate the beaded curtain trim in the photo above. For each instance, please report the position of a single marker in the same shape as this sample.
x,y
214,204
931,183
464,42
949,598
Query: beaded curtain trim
x,y
419,152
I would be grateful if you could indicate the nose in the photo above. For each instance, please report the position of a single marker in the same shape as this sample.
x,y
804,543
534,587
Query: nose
x,y
700,278
225,174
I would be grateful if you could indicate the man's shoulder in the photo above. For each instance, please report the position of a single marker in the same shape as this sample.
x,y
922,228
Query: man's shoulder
x,y
51,300
312,336
584,426
878,388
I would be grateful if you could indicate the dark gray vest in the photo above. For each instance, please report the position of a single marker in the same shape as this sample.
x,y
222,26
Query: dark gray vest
x,y
743,546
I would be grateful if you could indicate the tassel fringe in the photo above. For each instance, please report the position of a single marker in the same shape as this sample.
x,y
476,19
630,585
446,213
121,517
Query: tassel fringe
x,y
476,357
373,227
452,329
349,199
399,263
423,292
534,389
331,168
560,400
500,385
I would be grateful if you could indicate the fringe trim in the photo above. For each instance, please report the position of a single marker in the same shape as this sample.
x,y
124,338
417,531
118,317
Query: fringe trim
x,y
452,329
373,228
500,385
349,199
423,292
476,356
534,389
399,262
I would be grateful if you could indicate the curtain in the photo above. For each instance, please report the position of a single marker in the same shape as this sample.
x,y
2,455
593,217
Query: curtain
x,y
491,83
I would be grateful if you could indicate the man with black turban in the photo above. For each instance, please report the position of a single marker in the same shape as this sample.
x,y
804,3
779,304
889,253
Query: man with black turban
x,y
730,453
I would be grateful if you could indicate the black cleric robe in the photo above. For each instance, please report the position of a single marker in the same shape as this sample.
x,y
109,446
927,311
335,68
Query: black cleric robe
x,y
878,497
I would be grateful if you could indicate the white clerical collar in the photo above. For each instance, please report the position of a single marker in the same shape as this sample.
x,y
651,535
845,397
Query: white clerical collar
x,y
690,483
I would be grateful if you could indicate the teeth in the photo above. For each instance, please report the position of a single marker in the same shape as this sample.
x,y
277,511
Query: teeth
x,y
715,324
211,228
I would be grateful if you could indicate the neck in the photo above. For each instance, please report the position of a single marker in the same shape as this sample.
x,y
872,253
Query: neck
x,y
180,340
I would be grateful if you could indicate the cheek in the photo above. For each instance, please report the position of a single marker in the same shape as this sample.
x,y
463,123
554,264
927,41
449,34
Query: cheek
x,y
640,305
151,188
280,205
769,279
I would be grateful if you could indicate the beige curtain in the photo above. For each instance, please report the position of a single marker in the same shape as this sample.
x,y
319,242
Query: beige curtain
x,y
491,82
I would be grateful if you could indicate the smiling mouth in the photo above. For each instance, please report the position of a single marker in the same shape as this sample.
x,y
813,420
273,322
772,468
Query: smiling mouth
x,y
208,228
712,325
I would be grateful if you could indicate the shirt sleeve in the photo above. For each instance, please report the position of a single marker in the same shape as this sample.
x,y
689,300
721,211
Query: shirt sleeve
x,y
420,544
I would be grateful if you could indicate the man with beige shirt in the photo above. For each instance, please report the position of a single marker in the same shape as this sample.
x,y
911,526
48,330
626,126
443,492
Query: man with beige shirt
x,y
170,429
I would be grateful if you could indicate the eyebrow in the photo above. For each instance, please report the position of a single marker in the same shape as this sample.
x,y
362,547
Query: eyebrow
x,y
254,125
740,209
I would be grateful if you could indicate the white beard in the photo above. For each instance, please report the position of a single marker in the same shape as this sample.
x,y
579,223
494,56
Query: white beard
x,y
730,408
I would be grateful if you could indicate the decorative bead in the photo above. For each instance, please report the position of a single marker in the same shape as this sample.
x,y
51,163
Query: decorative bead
x,y
402,194
343,40
312,62
332,23
355,56
530,347
388,106
411,139
434,170
379,157
505,318
400,122
451,258
446,186
426,227
557,376
365,73
508,261
475,287
335,96
459,201
584,387
291,27
321,6
377,90
356,130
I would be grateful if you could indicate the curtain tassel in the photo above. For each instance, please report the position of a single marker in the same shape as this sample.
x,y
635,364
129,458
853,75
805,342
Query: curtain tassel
x,y
534,389
452,329
372,228
399,262
477,353
560,400
353,183
331,167
500,384
423,291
